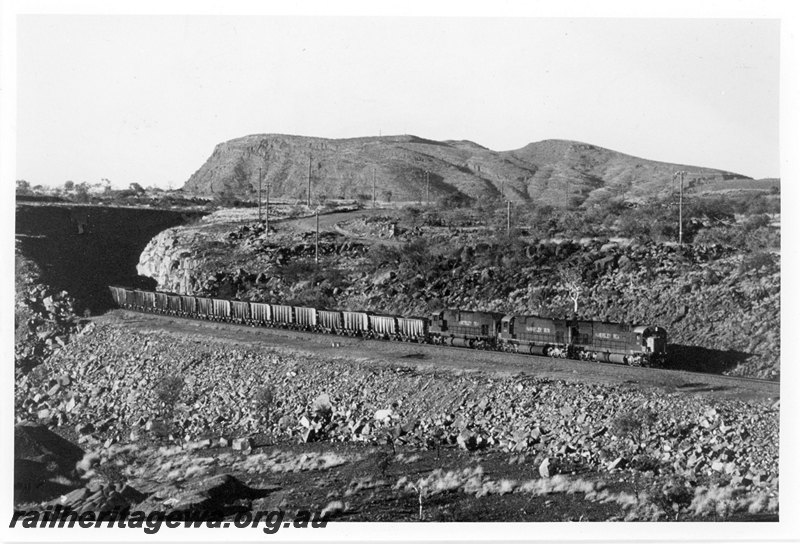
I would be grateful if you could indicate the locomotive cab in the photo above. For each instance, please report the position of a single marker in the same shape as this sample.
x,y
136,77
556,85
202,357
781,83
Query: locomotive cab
x,y
652,343
507,328
653,340
437,322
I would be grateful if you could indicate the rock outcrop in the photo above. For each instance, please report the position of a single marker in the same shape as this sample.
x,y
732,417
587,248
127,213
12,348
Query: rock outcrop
x,y
170,260
44,463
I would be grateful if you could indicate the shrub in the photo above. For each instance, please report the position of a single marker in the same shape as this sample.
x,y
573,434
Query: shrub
x,y
725,236
756,261
763,237
634,424
263,399
297,270
168,391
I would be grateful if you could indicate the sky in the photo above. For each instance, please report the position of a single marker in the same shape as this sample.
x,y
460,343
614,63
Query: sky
x,y
145,98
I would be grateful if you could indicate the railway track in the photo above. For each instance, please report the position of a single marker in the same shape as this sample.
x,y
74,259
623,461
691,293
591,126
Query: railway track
x,y
435,357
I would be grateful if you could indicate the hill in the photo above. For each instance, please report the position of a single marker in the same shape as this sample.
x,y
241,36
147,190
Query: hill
x,y
407,168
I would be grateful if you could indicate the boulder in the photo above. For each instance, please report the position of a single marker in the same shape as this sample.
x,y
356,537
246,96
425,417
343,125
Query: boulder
x,y
617,464
466,440
383,277
321,406
545,469
242,444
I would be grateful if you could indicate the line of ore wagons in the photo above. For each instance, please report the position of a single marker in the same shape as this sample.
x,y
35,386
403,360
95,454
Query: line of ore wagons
x,y
607,342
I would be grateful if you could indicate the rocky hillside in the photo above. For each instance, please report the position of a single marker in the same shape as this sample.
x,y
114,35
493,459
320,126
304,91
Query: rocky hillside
x,y
402,166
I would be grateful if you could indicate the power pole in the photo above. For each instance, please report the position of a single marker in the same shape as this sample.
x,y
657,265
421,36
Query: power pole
x,y
680,174
427,187
316,241
508,218
373,186
267,209
308,196
566,195
259,194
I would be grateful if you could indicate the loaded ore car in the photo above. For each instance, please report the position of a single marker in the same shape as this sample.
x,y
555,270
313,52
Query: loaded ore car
x,y
260,313
220,309
305,318
204,309
131,298
412,329
161,302
282,315
188,305
145,300
173,304
240,311
383,326
330,321
128,297
355,323
465,328
118,294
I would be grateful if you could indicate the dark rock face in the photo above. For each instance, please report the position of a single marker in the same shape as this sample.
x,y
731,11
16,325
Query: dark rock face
x,y
84,249
410,168
44,463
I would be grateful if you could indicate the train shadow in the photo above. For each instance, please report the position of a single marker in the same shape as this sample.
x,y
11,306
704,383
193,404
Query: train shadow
x,y
701,387
698,359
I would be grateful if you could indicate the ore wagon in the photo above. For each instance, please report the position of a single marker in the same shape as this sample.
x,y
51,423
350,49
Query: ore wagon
x,y
282,315
220,309
173,304
118,295
383,326
355,323
412,328
260,313
305,318
204,308
330,321
188,305
160,302
145,300
240,311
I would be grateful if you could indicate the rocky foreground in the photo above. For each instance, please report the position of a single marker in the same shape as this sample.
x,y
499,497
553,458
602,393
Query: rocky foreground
x,y
124,395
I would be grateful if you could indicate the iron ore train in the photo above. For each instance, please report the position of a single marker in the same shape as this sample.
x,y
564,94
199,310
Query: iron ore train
x,y
635,345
